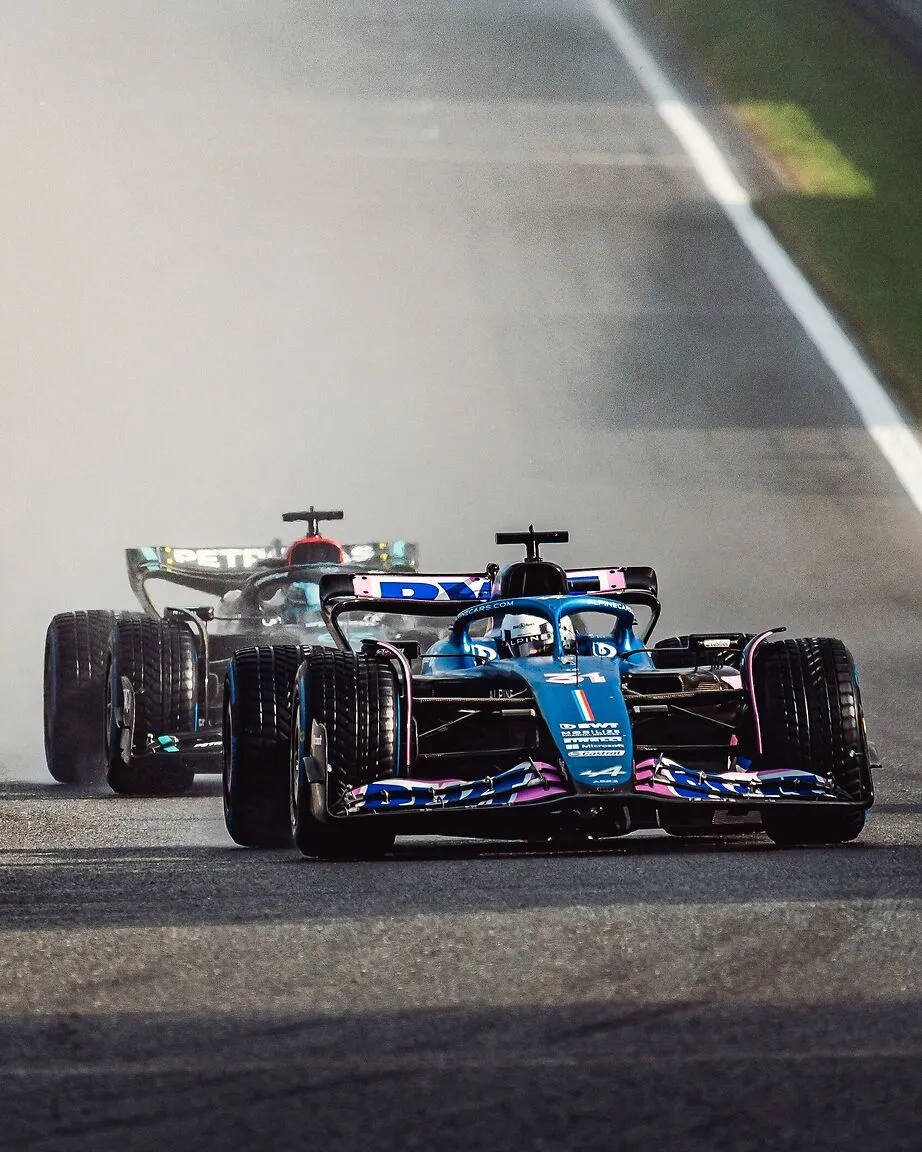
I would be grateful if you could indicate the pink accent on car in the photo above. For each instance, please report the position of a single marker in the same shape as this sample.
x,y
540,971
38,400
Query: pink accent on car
x,y
541,782
748,662
412,782
610,579
360,585
549,772
643,780
657,789
537,792
551,784
407,695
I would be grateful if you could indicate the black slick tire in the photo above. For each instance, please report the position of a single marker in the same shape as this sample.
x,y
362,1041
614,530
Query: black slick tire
x,y
811,719
74,682
256,738
355,698
159,658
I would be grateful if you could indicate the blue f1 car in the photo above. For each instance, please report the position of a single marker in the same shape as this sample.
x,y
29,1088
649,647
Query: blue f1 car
x,y
541,713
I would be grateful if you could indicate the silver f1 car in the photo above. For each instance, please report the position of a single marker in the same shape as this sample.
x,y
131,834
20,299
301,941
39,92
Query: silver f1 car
x,y
137,695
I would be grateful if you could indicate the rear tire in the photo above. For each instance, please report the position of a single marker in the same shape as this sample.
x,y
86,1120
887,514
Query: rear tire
x,y
355,699
256,737
76,648
811,719
160,659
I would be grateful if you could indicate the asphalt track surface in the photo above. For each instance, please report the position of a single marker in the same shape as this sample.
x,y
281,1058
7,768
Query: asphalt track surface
x,y
456,241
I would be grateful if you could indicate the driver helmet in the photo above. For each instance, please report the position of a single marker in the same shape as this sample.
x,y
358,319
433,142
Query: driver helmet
x,y
527,635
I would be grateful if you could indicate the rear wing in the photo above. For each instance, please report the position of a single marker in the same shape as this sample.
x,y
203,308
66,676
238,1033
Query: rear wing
x,y
212,570
445,595
468,588
218,570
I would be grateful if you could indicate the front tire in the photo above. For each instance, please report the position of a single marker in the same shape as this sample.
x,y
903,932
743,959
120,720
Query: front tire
x,y
256,738
355,699
811,718
76,647
160,660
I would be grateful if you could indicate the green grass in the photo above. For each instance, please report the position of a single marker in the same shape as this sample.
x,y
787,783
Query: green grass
x,y
840,110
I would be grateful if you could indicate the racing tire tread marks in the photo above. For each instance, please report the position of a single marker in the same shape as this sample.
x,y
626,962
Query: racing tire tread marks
x,y
255,779
76,649
810,706
355,698
159,658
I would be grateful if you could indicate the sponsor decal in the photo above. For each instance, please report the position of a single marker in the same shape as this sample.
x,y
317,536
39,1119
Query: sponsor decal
x,y
220,559
602,648
483,651
592,726
414,588
593,738
595,752
484,595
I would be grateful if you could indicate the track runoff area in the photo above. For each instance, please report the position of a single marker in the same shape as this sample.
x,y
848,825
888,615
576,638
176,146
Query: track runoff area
x,y
883,420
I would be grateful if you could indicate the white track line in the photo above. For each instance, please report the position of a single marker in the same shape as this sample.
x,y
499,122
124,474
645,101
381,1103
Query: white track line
x,y
893,436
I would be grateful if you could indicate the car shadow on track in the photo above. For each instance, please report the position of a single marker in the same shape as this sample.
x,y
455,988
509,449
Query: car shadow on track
x,y
89,887
590,1076
50,790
